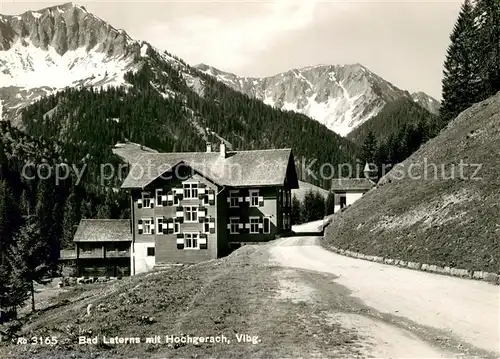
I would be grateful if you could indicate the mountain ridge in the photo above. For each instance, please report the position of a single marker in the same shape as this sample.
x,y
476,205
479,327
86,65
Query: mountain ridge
x,y
342,97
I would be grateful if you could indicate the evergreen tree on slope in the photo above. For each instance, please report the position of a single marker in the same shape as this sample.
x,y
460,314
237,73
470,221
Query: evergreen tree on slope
x,y
462,82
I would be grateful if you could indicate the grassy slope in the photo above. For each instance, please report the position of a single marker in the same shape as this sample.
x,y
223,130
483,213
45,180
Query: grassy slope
x,y
238,294
444,222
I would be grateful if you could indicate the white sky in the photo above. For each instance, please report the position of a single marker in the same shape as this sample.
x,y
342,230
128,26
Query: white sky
x,y
403,41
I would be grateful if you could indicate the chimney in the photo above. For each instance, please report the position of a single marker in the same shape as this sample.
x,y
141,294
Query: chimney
x,y
223,150
209,147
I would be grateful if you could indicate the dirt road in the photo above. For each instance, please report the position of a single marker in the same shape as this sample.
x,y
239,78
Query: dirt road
x,y
441,310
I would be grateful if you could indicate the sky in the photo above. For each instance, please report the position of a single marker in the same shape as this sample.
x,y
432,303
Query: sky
x,y
402,41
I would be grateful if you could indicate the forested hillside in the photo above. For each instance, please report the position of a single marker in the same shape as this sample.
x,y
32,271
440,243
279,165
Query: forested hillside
x,y
395,133
392,118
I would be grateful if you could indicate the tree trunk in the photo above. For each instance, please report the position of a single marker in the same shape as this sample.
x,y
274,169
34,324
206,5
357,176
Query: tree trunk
x,y
32,297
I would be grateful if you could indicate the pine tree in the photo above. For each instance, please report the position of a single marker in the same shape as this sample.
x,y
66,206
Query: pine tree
x,y
27,263
487,14
369,148
44,217
330,203
461,82
295,211
70,220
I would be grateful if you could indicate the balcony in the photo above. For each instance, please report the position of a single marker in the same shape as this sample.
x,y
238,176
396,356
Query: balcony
x,y
117,253
94,253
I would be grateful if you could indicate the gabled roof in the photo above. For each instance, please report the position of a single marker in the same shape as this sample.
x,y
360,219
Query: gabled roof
x,y
237,169
103,230
345,184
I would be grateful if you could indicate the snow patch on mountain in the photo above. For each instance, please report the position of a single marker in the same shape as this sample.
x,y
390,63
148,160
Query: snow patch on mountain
x,y
25,65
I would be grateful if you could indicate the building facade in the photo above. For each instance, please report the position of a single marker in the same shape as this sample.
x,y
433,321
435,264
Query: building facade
x,y
103,247
192,207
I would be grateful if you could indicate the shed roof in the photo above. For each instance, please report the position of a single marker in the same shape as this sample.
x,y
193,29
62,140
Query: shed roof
x,y
103,230
345,184
237,169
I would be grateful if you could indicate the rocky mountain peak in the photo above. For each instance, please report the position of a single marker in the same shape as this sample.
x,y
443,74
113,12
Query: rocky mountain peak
x,y
341,97
66,27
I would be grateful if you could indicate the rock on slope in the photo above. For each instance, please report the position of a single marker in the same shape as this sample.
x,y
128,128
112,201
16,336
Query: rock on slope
x,y
423,212
341,97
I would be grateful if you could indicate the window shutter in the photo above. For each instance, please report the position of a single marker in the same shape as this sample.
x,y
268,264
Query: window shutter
x,y
228,199
229,226
212,230
261,201
240,225
139,226
180,241
139,203
203,241
240,199
211,197
247,225
247,199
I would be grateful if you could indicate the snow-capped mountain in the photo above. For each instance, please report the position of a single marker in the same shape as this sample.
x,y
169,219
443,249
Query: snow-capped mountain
x,y
341,97
429,103
47,50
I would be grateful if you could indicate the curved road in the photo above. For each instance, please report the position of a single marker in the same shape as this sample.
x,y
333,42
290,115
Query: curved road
x,y
467,310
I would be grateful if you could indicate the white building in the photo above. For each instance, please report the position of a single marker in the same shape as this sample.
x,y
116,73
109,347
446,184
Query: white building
x,y
349,190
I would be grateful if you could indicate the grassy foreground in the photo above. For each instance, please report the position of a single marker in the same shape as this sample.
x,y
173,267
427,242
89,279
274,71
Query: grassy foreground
x,y
235,296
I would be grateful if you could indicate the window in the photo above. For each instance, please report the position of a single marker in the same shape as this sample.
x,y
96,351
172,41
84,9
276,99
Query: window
x,y
191,214
343,200
267,225
159,225
177,227
146,200
233,199
151,252
190,190
191,241
148,226
254,225
159,193
254,197
205,200
176,200
234,223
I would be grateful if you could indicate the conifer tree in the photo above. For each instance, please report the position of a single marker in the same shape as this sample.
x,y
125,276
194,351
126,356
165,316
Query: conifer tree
x,y
27,263
461,84
330,203
369,148
71,219
487,15
295,210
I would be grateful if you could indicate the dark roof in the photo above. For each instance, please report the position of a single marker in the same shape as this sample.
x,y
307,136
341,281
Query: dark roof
x,y
344,184
237,169
103,230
